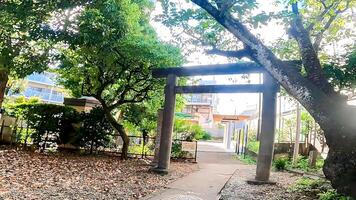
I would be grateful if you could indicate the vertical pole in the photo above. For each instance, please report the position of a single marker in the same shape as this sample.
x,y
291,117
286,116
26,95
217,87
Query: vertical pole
x,y
238,141
259,110
167,124
297,135
196,151
2,129
265,152
158,137
246,140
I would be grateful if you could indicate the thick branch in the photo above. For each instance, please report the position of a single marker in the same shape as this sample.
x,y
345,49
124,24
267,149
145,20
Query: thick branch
x,y
301,88
309,56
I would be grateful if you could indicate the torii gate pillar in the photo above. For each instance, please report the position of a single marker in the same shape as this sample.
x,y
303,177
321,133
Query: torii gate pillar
x,y
167,125
265,153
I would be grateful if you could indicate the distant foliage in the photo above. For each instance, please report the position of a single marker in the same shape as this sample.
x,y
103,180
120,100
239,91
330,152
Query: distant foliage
x,y
185,130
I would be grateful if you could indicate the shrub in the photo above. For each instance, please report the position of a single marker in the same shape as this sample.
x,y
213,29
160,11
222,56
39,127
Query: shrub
x,y
331,194
253,146
280,164
96,131
206,136
185,130
49,122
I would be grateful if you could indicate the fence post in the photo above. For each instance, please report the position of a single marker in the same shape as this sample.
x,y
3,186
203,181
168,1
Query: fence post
x,y
246,140
2,129
196,151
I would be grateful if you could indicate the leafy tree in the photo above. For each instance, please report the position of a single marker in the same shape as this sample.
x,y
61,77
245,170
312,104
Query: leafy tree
x,y
311,24
110,57
96,130
341,72
24,37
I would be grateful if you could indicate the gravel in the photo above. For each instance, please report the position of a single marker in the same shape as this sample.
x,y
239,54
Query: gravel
x,y
238,188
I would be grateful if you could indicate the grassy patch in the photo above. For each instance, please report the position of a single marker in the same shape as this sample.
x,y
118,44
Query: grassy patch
x,y
246,159
316,189
302,164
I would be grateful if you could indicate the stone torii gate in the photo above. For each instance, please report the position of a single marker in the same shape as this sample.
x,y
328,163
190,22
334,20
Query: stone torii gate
x,y
269,88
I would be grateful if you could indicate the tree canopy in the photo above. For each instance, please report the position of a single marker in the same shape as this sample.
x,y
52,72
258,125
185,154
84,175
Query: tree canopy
x,y
111,54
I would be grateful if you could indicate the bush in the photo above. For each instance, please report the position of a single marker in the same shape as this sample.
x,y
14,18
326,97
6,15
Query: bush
x,y
49,122
253,146
280,164
96,131
177,149
185,130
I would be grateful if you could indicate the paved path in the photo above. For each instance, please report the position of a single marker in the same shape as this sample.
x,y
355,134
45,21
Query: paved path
x,y
216,166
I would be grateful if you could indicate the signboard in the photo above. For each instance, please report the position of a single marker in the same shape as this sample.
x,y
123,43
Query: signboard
x,y
188,146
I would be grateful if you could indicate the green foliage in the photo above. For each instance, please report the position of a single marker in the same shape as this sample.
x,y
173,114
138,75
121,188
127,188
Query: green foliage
x,y
177,149
332,195
12,104
246,159
95,131
185,130
341,72
48,121
110,56
280,164
307,185
303,164
25,41
317,189
253,146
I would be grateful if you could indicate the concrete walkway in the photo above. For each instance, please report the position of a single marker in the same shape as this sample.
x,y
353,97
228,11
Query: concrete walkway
x,y
216,166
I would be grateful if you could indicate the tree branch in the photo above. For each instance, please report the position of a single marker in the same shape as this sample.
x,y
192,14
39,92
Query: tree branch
x,y
320,34
309,56
231,54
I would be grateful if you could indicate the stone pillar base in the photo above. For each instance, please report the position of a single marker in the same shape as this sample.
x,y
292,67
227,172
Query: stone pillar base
x,y
159,170
257,182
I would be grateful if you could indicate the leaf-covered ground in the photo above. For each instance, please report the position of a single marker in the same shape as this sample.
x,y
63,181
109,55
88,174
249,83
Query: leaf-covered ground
x,y
25,175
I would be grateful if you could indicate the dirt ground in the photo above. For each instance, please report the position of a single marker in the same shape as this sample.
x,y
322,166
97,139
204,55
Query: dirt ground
x,y
237,187
25,175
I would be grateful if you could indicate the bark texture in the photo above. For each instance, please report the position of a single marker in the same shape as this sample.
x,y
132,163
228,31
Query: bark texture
x,y
4,78
328,108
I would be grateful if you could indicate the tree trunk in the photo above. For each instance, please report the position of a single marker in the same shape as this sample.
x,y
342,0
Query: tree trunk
x,y
4,78
91,146
119,128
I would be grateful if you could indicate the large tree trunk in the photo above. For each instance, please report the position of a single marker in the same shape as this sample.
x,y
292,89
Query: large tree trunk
x,y
4,78
328,108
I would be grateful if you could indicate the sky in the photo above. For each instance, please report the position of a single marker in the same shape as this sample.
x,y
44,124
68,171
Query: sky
x,y
229,103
